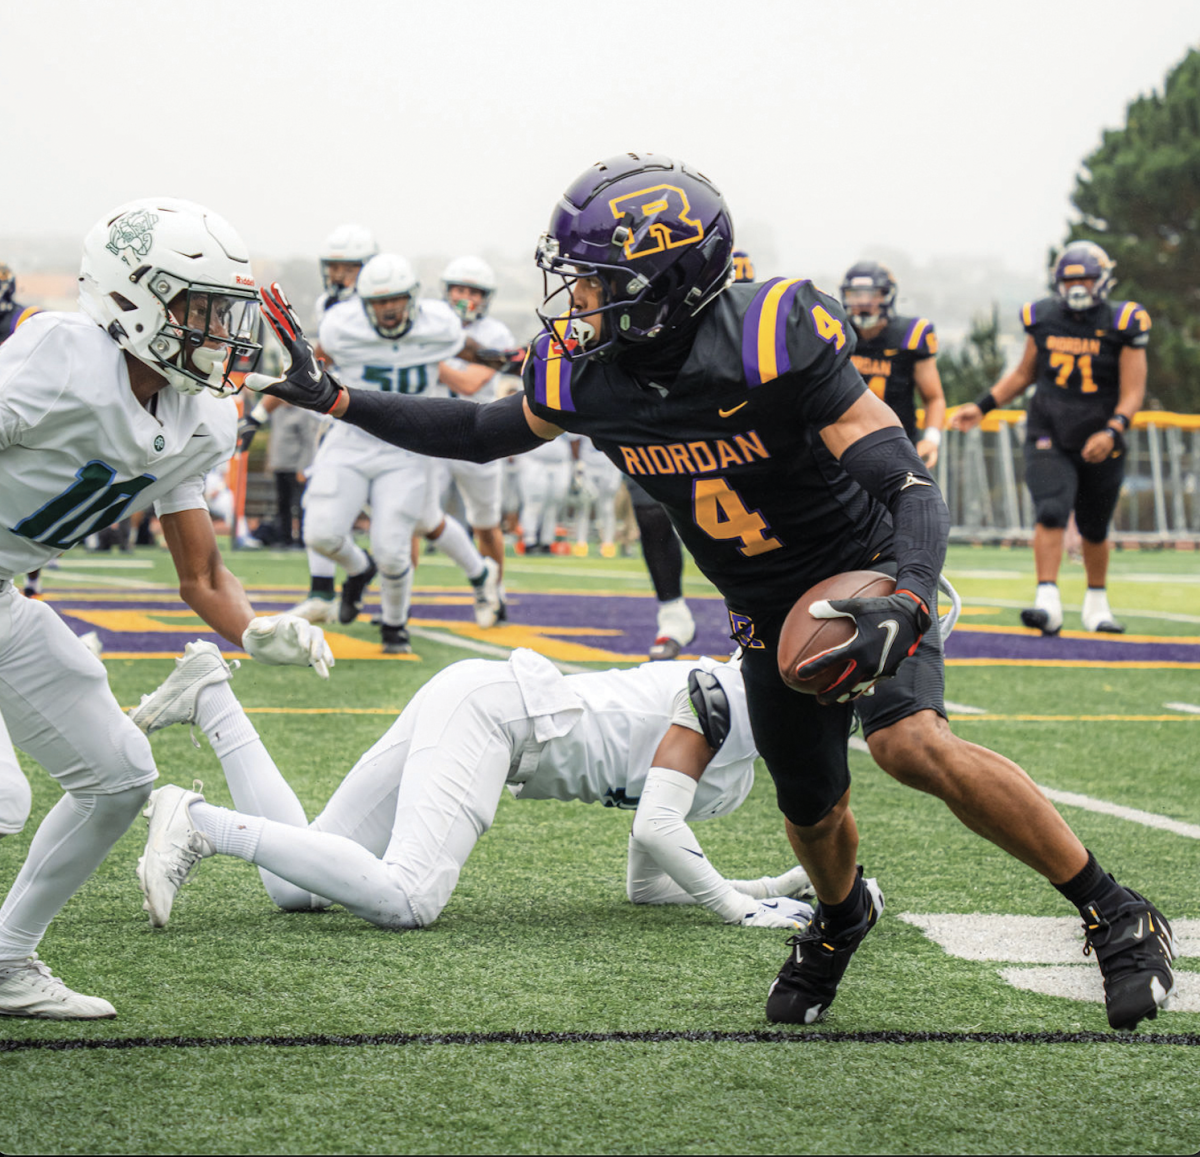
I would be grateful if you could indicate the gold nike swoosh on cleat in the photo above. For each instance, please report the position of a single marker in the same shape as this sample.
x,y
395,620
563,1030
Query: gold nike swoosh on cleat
x,y
726,413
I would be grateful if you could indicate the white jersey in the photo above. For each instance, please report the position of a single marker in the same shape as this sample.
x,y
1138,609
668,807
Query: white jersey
x,y
607,753
77,450
488,334
403,365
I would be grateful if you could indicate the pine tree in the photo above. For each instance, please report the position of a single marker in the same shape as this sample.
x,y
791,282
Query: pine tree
x,y
976,366
1139,197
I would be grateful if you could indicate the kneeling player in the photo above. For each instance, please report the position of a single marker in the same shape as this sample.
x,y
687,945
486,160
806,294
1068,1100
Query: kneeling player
x,y
669,739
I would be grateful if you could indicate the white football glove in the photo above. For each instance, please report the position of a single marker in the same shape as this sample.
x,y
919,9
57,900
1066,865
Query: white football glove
x,y
777,912
288,640
794,883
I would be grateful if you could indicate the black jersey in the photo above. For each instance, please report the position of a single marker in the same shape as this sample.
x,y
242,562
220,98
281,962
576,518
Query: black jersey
x,y
732,449
887,362
11,318
1078,366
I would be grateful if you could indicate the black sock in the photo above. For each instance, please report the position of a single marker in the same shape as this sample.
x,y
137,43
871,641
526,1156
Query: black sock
x,y
1092,884
662,552
321,586
850,910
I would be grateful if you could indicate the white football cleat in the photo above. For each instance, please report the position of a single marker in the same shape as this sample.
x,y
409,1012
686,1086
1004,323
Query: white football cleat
x,y
316,609
487,595
174,846
30,989
174,701
777,912
91,641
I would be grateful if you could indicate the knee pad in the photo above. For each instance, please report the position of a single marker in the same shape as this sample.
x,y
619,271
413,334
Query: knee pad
x,y
322,541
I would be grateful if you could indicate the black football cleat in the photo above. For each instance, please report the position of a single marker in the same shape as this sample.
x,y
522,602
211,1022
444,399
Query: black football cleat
x,y
396,640
353,590
1134,947
664,648
1039,620
808,981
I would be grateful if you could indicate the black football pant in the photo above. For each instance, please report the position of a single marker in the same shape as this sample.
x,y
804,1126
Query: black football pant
x,y
1060,481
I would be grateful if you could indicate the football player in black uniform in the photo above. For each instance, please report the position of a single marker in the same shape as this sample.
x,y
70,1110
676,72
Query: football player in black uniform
x,y
1087,357
895,355
738,408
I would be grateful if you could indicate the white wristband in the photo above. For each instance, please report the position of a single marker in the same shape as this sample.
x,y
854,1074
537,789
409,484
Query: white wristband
x,y
932,434
260,413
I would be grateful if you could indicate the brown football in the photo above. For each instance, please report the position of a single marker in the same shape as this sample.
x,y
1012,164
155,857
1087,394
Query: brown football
x,y
803,637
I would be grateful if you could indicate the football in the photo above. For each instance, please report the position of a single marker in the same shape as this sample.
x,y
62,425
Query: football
x,y
803,637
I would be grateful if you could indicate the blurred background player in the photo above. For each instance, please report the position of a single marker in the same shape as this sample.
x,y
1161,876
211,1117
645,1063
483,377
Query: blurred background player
x,y
12,314
598,481
669,741
346,250
743,266
895,355
1086,358
386,339
544,478
468,285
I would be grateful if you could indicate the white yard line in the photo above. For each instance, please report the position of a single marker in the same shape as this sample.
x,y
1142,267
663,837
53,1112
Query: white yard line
x,y
110,580
963,709
448,639
1187,708
1125,613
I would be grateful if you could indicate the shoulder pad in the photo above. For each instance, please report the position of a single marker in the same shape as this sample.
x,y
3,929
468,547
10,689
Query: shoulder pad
x,y
549,374
919,336
765,354
711,706
1130,317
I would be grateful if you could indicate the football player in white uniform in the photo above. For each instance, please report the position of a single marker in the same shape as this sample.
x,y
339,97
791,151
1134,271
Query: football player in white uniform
x,y
598,482
342,257
671,740
468,284
89,434
386,339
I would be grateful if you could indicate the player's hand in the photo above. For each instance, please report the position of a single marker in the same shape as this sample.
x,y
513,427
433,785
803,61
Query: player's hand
x,y
966,417
777,912
248,426
794,883
887,631
288,640
1102,445
928,453
305,384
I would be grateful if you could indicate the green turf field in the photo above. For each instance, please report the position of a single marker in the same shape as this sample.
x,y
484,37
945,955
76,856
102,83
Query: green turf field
x,y
247,1030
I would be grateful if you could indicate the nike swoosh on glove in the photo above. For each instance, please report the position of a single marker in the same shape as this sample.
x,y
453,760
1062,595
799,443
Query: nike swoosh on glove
x,y
777,912
288,640
887,631
305,384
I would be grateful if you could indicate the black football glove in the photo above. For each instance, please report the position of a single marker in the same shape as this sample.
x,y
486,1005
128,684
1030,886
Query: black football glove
x,y
248,426
306,384
888,631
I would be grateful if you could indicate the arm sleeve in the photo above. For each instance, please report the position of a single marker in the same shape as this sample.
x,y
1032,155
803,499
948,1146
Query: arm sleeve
x,y
444,427
885,464
662,832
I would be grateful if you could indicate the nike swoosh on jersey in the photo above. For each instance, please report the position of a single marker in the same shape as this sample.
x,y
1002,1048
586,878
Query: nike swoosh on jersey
x,y
726,413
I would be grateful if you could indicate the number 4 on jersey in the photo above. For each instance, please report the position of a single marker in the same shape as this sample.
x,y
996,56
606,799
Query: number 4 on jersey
x,y
720,513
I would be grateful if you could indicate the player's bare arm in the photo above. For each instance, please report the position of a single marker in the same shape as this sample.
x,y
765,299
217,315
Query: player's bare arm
x,y
929,386
466,378
1013,383
205,584
1132,369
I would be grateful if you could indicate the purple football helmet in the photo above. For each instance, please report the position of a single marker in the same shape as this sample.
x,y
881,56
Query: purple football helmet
x,y
868,283
656,235
743,266
1083,261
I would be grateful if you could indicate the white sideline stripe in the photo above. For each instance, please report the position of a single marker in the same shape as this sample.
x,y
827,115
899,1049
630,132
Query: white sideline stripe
x,y
1188,708
1146,819
1140,577
111,580
1123,612
112,563
963,709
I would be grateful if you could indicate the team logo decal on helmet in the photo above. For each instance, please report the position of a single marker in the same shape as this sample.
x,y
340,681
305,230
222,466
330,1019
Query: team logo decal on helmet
x,y
657,219
132,235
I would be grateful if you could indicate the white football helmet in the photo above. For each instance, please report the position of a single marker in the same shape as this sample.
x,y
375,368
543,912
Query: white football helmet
x,y
475,273
384,278
159,251
346,245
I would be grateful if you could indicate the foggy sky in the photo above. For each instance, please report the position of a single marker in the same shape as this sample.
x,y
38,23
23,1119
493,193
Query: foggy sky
x,y
944,130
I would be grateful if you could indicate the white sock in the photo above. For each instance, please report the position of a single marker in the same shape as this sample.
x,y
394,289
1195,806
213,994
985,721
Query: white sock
x,y
1047,597
319,566
231,833
675,620
395,596
1095,607
456,544
220,716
